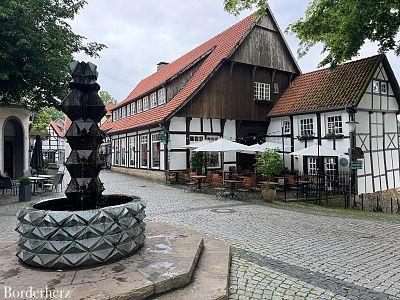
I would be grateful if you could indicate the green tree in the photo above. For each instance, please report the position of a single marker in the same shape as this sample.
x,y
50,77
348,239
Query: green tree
x,y
36,45
341,26
42,120
106,97
269,164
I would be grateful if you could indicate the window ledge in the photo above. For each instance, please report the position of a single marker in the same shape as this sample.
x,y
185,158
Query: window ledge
x,y
258,101
334,136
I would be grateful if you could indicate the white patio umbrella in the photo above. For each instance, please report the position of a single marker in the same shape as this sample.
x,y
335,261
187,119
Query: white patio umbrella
x,y
314,151
267,145
195,145
223,145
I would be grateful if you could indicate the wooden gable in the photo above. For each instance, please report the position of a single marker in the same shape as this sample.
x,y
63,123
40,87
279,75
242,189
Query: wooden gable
x,y
265,46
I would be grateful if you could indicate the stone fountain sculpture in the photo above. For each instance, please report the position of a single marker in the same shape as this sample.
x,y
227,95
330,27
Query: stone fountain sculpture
x,y
85,228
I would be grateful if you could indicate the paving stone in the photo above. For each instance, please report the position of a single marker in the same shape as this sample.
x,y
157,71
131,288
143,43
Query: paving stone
x,y
312,252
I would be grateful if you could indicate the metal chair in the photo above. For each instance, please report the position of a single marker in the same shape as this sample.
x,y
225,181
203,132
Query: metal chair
x,y
54,183
7,184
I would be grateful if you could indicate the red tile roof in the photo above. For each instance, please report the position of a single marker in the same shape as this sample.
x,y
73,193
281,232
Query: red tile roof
x,y
215,50
325,89
109,107
57,129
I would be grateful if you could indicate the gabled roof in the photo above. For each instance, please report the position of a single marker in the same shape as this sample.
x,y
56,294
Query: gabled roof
x,y
56,129
214,52
326,89
109,107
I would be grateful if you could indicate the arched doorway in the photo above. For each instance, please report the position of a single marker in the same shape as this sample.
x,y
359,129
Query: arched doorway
x,y
13,148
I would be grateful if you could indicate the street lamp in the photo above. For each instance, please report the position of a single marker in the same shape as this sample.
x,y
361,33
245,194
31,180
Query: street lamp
x,y
352,124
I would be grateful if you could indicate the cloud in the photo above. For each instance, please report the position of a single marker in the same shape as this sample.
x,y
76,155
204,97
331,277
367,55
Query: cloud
x,y
141,33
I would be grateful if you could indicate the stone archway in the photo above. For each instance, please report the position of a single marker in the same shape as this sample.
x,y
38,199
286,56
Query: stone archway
x,y
13,147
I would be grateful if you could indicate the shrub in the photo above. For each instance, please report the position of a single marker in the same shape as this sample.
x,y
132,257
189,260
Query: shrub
x,y
24,181
269,164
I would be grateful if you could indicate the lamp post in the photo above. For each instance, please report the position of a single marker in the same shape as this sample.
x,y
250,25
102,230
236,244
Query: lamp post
x,y
352,128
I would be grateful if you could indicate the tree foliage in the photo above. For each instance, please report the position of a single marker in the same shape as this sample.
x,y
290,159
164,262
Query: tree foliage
x,y
107,98
42,120
341,26
36,45
269,164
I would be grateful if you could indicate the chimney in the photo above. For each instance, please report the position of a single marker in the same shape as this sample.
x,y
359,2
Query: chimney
x,y
161,65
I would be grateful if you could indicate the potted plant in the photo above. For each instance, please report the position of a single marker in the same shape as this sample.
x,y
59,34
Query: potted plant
x,y
25,189
269,192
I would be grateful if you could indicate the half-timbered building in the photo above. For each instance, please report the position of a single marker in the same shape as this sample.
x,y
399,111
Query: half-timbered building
x,y
223,88
54,146
317,107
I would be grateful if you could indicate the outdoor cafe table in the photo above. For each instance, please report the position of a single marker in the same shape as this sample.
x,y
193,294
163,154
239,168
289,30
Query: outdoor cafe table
x,y
232,184
199,179
36,180
47,176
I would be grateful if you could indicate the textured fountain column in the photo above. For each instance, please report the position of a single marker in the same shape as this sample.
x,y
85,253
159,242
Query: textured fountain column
x,y
86,228
85,109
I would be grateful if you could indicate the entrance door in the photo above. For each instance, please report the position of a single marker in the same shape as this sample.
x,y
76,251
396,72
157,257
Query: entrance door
x,y
9,158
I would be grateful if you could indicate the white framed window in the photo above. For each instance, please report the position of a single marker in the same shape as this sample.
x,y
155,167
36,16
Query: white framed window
x,y
133,108
139,106
286,126
196,138
143,150
123,151
132,148
128,110
123,111
116,152
276,88
155,150
376,87
162,96
335,125
153,100
213,159
306,127
262,91
114,118
145,103
312,166
330,171
384,88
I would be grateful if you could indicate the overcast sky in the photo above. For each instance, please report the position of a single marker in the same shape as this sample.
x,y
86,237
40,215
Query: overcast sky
x,y
141,33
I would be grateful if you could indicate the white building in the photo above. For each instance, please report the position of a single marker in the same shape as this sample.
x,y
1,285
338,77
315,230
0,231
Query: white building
x,y
14,140
316,107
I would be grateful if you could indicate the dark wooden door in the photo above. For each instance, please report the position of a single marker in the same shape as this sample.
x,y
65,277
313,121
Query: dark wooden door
x,y
9,158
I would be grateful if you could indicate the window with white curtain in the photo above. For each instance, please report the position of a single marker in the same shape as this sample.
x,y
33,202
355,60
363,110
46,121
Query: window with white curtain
x,y
307,127
153,100
139,106
155,150
132,154
162,96
145,103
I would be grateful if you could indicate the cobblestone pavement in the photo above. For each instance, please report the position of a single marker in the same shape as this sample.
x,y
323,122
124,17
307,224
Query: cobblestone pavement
x,y
279,252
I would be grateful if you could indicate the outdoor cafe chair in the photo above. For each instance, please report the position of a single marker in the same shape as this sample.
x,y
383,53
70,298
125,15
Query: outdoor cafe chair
x,y
246,187
6,184
54,183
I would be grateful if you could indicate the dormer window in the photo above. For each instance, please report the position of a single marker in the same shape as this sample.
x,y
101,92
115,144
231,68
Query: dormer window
x,y
145,103
162,96
276,88
384,88
376,87
262,91
153,100
139,106
133,108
